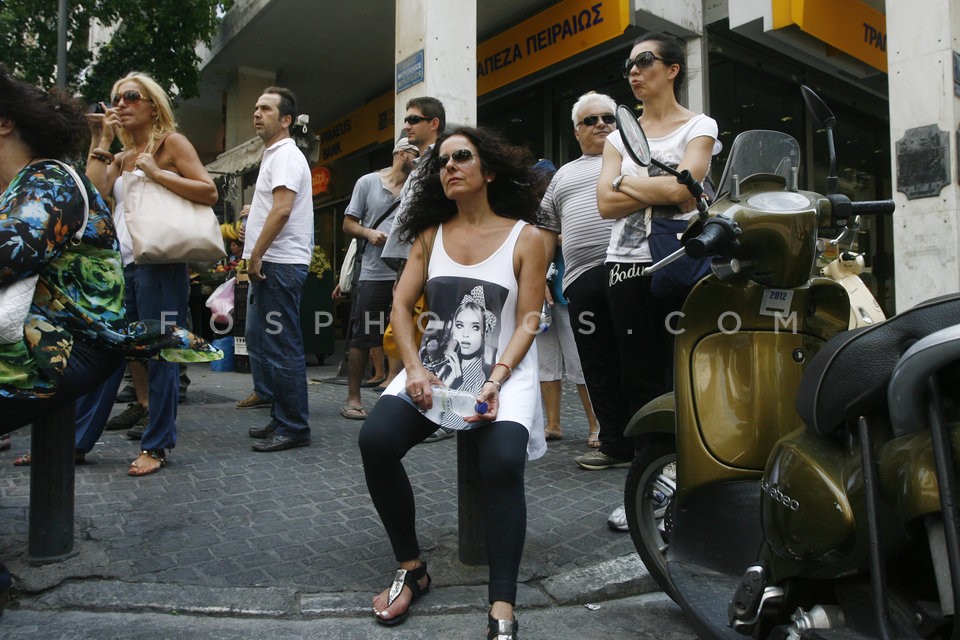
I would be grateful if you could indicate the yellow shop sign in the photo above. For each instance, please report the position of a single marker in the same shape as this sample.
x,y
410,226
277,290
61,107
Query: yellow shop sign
x,y
850,26
556,34
370,124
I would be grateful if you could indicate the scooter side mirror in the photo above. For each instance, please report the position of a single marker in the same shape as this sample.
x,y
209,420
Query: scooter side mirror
x,y
825,118
818,108
634,139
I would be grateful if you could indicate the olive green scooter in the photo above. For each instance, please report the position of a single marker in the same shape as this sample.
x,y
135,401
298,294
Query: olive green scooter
x,y
778,492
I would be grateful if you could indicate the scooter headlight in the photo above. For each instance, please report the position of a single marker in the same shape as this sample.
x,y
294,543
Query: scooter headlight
x,y
777,201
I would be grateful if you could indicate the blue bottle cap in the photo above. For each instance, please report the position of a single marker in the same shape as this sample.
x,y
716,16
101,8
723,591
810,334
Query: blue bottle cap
x,y
481,407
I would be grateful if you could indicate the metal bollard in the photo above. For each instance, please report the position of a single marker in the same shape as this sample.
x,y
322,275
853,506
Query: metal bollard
x,y
471,549
52,445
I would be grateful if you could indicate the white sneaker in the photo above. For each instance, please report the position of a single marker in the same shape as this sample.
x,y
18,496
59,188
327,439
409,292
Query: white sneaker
x,y
618,519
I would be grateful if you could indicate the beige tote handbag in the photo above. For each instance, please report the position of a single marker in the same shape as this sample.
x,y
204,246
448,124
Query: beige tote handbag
x,y
166,227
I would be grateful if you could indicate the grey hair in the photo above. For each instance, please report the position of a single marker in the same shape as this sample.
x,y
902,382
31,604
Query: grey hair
x,y
587,98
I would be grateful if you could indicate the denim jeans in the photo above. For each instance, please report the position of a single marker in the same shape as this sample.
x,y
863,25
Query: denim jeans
x,y
261,386
93,410
273,333
86,368
159,292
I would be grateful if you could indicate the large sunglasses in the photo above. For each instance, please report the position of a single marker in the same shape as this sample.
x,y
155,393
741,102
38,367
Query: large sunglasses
x,y
460,157
608,118
415,119
130,97
643,60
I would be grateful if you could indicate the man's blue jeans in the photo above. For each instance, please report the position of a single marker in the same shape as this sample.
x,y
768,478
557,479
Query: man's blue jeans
x,y
261,386
273,333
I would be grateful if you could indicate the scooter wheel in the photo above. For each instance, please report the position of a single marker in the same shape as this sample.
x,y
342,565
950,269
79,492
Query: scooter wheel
x,y
648,500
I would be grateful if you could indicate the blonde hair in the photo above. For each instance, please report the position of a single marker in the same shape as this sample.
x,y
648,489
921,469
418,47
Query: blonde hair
x,y
163,122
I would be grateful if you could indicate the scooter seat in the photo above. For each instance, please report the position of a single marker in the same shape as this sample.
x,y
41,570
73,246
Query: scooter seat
x,y
848,377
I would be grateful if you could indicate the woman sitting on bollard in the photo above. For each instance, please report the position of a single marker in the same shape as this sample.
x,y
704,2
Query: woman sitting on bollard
x,y
469,222
55,225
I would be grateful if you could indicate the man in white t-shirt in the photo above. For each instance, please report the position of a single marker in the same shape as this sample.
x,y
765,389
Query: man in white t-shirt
x,y
278,247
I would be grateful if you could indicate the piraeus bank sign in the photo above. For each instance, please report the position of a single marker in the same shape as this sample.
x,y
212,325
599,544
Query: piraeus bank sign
x,y
849,26
547,38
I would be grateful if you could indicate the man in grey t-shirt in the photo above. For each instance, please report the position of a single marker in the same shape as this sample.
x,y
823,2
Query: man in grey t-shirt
x,y
369,218
423,123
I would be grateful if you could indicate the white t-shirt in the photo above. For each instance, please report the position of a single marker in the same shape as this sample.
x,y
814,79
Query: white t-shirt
x,y
628,240
283,165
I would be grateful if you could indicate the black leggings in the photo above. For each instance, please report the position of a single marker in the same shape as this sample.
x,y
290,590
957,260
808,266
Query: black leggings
x,y
392,428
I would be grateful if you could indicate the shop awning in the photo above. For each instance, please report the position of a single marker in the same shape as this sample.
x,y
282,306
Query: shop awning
x,y
237,160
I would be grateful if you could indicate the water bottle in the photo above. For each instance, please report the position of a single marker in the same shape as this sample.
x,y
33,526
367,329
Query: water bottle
x,y
546,317
455,401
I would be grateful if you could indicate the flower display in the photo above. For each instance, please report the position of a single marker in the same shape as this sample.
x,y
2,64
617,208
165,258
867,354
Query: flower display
x,y
319,263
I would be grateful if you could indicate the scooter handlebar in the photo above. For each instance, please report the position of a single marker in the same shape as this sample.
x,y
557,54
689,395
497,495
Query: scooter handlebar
x,y
872,207
718,237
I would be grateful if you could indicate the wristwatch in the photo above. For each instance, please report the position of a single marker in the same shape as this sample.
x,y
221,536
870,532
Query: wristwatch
x,y
616,183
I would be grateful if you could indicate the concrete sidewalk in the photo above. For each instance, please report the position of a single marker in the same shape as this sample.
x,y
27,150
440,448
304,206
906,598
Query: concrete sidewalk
x,y
292,535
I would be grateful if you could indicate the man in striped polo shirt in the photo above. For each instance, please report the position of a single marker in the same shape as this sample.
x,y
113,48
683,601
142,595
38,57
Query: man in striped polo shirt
x,y
569,208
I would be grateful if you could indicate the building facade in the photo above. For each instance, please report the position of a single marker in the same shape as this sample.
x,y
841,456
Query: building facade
x,y
519,65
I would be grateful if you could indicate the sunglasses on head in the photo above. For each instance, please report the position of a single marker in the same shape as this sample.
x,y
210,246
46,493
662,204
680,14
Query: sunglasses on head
x,y
130,97
608,118
643,60
460,156
415,119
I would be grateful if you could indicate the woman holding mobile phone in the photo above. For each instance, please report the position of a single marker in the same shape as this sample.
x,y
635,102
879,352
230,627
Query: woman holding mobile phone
x,y
140,115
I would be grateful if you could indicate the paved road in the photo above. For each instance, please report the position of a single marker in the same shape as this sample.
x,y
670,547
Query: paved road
x,y
227,542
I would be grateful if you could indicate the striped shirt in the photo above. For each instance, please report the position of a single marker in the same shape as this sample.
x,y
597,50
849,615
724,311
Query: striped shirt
x,y
569,207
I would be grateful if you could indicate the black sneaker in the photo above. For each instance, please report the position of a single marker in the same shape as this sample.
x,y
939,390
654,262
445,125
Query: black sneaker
x,y
128,418
127,394
440,434
136,431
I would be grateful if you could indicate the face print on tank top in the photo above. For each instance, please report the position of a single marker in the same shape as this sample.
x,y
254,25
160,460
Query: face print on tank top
x,y
462,334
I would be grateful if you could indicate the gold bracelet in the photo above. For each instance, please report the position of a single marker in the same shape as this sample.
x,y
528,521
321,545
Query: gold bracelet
x,y
494,382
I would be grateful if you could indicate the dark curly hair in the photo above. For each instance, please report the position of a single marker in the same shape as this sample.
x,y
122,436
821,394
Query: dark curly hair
x,y
512,194
50,123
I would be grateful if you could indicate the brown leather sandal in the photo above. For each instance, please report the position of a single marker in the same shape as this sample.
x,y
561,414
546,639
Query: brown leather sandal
x,y
137,470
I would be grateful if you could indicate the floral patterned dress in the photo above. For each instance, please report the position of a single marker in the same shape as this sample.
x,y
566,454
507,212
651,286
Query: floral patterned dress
x,y
79,295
